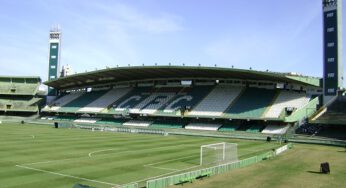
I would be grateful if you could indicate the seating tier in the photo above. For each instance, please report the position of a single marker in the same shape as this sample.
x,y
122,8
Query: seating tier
x,y
203,126
105,100
285,99
252,103
216,102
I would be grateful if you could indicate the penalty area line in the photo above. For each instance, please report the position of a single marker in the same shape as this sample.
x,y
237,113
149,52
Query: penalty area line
x,y
66,175
99,151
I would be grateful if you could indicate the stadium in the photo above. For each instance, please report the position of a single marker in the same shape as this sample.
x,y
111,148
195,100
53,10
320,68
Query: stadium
x,y
171,126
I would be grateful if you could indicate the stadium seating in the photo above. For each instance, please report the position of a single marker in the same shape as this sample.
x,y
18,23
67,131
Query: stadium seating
x,y
111,121
58,103
229,127
19,95
188,97
203,126
152,103
105,100
81,101
216,102
131,99
86,120
29,105
19,88
255,128
335,113
275,129
167,124
252,103
138,123
285,99
65,118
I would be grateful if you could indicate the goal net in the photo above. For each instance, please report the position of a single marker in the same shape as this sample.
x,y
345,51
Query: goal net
x,y
219,153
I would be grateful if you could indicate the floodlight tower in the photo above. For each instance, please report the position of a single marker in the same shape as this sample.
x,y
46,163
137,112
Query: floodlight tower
x,y
332,47
54,58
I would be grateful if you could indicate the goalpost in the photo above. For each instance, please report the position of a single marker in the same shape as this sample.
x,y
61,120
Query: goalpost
x,y
218,153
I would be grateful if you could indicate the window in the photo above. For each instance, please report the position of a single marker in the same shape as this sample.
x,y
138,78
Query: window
x,y
331,90
330,60
330,44
52,77
54,46
329,15
52,67
331,29
53,56
331,75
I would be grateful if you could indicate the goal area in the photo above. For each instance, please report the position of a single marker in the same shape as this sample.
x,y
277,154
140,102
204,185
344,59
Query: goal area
x,y
218,153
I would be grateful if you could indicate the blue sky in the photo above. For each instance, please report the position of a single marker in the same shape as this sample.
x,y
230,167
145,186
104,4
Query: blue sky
x,y
284,36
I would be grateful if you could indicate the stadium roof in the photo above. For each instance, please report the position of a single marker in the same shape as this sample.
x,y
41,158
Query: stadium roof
x,y
136,73
20,77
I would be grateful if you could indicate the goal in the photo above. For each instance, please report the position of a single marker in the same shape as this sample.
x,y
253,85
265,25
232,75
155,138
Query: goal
x,y
219,153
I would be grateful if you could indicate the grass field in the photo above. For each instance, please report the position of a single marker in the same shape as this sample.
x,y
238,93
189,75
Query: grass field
x,y
298,167
41,156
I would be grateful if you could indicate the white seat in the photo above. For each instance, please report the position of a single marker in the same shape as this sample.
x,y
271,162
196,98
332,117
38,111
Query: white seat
x,y
138,123
203,126
287,99
275,129
217,101
57,104
105,100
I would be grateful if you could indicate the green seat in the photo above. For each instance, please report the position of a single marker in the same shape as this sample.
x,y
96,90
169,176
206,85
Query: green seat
x,y
81,101
252,103
228,127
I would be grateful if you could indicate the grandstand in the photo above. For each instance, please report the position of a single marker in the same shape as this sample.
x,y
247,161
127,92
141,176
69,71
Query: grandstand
x,y
205,98
333,112
19,95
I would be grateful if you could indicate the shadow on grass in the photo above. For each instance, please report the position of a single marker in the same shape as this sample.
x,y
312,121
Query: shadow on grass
x,y
315,172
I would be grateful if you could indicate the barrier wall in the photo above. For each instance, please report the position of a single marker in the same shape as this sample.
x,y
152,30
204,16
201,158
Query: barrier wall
x,y
191,176
305,112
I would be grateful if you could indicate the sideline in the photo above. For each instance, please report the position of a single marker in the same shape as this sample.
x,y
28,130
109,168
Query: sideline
x,y
66,175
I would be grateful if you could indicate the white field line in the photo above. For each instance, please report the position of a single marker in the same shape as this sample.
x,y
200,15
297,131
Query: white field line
x,y
129,151
66,175
170,169
176,159
42,162
99,151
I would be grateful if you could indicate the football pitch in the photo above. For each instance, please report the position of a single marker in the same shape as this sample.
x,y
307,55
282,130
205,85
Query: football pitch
x,y
42,156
